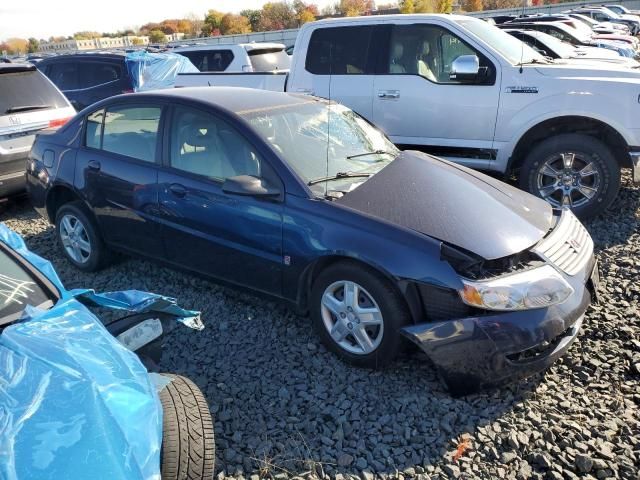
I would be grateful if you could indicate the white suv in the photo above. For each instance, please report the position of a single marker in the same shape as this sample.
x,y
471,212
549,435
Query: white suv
x,y
29,103
243,57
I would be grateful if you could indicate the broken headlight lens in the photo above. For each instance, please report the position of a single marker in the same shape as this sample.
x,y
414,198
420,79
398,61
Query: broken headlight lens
x,y
537,288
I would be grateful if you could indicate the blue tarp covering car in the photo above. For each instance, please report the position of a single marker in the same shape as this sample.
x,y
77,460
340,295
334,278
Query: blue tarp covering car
x,y
74,401
151,71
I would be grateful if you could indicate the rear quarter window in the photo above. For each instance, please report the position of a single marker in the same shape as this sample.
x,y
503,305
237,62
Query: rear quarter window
x,y
339,51
28,89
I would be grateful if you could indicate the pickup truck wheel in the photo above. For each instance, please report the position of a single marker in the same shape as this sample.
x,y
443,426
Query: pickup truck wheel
x,y
358,314
572,170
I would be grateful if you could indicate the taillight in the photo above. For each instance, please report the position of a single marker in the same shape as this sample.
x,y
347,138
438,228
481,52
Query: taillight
x,y
58,122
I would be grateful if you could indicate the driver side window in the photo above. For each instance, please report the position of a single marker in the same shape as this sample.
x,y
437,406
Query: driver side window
x,y
425,50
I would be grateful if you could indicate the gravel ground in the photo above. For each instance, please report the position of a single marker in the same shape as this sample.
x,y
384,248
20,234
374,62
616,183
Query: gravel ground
x,y
285,407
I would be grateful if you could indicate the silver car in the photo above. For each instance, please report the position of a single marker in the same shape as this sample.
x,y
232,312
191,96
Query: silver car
x,y
29,103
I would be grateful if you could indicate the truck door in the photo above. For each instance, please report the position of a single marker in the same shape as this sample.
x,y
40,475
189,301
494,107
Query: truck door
x,y
417,102
338,66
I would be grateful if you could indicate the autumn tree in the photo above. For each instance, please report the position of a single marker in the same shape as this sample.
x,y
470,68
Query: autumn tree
x,y
212,22
232,24
353,8
196,24
253,16
277,16
305,12
157,36
474,5
16,45
445,6
407,6
425,6
86,35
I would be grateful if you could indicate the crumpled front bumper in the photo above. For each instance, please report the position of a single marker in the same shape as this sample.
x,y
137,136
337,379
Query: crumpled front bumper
x,y
488,350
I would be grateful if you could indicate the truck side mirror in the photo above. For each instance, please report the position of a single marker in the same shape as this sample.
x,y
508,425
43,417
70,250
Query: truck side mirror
x,y
465,68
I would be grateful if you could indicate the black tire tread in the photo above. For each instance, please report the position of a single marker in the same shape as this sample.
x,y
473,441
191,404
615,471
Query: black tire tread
x,y
188,447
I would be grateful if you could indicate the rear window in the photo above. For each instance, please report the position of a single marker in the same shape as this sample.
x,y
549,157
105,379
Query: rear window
x,y
339,51
98,73
267,60
17,289
210,60
26,91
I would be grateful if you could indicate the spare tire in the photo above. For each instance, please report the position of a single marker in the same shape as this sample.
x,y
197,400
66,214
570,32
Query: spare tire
x,y
188,447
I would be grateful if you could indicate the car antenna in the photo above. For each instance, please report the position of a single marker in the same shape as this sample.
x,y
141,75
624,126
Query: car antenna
x,y
524,4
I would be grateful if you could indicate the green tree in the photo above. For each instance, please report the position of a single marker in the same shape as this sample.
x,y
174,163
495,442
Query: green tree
x,y
33,45
407,6
157,36
213,18
253,16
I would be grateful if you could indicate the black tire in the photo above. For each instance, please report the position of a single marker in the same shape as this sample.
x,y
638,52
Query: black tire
x,y
188,446
99,256
584,147
390,303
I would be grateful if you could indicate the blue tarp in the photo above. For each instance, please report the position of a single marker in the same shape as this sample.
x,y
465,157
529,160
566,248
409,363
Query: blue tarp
x,y
151,71
74,402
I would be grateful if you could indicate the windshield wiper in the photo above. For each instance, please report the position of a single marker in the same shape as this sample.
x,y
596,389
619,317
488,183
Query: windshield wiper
x,y
375,152
26,108
339,176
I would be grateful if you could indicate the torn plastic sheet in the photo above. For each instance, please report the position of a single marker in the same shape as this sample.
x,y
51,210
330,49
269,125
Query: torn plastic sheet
x,y
74,402
151,71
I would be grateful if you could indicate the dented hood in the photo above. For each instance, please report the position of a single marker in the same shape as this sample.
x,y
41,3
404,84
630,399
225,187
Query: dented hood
x,y
453,204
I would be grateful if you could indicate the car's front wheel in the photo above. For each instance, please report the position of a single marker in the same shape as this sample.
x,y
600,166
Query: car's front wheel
x,y
575,171
358,314
79,237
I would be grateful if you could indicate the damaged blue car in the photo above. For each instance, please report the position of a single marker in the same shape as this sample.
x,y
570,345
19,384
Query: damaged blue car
x,y
76,400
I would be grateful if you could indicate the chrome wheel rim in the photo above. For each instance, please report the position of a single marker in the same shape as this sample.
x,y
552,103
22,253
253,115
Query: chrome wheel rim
x,y
75,239
352,317
568,180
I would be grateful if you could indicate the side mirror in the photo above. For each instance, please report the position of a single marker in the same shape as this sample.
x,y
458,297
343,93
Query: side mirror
x,y
465,68
249,186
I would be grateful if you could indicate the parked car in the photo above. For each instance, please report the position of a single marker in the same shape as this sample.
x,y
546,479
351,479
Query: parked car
x,y
574,37
29,103
242,57
601,27
558,50
86,78
76,401
603,14
305,200
622,10
459,87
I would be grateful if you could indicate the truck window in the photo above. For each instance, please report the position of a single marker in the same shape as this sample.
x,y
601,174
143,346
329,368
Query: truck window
x,y
427,51
269,59
210,60
339,51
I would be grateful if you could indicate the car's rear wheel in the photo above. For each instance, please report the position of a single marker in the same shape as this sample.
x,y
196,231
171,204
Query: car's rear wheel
x,y
358,314
79,238
575,171
188,446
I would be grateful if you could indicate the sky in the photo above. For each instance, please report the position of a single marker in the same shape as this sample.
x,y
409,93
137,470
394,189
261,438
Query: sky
x,y
46,18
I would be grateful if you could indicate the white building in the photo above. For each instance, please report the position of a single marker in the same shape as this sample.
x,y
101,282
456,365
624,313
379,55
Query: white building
x,y
94,44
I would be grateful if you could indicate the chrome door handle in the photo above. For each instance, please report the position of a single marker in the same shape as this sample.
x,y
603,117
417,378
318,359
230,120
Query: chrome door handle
x,y
390,94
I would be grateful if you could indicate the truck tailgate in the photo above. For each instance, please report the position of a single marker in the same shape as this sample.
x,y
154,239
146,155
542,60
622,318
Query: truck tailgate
x,y
263,81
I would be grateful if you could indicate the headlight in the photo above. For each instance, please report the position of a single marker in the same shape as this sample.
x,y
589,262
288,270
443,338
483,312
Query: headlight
x,y
537,288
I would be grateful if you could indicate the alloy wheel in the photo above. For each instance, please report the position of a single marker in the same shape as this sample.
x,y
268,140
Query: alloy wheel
x,y
568,180
75,238
352,317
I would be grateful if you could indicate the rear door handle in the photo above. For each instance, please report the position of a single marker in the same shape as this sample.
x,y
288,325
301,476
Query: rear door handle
x,y
178,190
94,165
389,94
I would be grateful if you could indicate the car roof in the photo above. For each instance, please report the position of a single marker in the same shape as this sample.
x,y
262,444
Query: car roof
x,y
16,67
373,19
225,46
235,99
86,56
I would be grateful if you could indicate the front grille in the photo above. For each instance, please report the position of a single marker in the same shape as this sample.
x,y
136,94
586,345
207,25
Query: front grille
x,y
568,246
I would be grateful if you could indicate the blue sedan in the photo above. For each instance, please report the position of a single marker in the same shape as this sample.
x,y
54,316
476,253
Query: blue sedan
x,y
304,200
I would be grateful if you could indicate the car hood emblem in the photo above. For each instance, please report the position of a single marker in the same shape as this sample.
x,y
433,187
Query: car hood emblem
x,y
14,120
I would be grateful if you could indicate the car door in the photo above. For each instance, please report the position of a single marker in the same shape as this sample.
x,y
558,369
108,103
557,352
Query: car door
x,y
65,76
117,172
339,67
415,100
232,237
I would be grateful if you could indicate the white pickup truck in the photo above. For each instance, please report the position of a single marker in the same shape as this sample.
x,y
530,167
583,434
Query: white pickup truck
x,y
460,88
